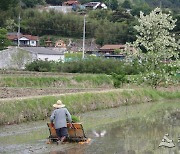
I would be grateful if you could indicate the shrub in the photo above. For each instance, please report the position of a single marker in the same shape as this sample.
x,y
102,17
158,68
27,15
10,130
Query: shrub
x,y
40,66
90,65
119,80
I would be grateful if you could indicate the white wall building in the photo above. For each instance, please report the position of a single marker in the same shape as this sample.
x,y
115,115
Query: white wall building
x,y
43,53
15,57
24,40
95,5
63,9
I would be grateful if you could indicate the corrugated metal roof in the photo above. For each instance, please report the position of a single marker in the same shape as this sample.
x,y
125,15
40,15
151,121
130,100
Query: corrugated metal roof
x,y
42,50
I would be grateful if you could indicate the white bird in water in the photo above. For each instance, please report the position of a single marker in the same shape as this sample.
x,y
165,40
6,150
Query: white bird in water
x,y
95,133
101,134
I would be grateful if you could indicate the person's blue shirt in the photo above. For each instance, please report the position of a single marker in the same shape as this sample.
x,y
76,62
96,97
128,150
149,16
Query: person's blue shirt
x,y
59,116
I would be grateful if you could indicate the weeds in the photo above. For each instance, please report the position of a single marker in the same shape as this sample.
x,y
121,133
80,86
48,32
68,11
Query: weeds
x,y
29,81
18,111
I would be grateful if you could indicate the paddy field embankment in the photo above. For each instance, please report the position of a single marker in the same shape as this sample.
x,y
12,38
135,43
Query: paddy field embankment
x,y
80,92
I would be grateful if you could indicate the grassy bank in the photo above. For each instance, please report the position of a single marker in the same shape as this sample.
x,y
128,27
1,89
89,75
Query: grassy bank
x,y
83,80
18,111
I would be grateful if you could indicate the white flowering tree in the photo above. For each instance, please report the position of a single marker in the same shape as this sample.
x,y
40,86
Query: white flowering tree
x,y
157,46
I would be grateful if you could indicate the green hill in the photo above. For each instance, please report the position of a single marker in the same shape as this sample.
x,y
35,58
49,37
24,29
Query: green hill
x,y
158,3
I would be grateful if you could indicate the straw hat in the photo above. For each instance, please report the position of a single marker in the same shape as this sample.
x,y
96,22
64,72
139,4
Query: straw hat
x,y
59,104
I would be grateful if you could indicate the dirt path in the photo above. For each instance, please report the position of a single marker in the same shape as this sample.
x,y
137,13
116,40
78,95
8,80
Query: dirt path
x,y
59,94
7,92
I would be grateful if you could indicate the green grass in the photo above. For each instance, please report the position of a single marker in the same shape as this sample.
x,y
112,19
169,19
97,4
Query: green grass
x,y
73,55
17,111
83,80
31,81
96,80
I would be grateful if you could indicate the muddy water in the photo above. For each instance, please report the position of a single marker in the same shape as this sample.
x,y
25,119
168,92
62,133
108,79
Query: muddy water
x,y
112,131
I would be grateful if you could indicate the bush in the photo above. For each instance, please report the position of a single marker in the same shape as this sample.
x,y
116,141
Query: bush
x,y
91,65
119,80
41,66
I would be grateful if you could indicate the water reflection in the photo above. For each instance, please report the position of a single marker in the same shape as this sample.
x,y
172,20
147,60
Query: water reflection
x,y
99,133
135,138
130,137
76,149
70,151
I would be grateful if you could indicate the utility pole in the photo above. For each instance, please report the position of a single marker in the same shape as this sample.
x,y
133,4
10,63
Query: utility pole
x,y
160,3
84,31
19,29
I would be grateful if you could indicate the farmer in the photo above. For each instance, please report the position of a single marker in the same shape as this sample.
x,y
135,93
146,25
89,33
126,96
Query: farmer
x,y
59,116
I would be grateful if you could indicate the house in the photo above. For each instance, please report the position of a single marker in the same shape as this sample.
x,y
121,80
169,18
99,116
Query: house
x,y
119,56
76,46
63,9
95,5
24,40
57,44
111,48
48,43
60,44
14,57
43,53
71,3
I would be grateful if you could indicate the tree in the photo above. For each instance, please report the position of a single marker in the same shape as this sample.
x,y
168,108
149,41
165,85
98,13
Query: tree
x,y
177,28
144,7
4,42
32,3
154,33
119,79
127,4
121,15
6,4
157,45
10,25
55,2
100,14
113,4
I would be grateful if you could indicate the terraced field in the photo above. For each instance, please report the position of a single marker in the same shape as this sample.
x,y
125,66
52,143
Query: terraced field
x,y
15,84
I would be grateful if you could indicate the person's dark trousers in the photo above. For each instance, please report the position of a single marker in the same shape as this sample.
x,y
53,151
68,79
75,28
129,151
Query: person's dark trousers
x,y
62,132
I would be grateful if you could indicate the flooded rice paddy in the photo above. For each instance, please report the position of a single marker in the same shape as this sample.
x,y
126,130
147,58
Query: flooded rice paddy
x,y
112,131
